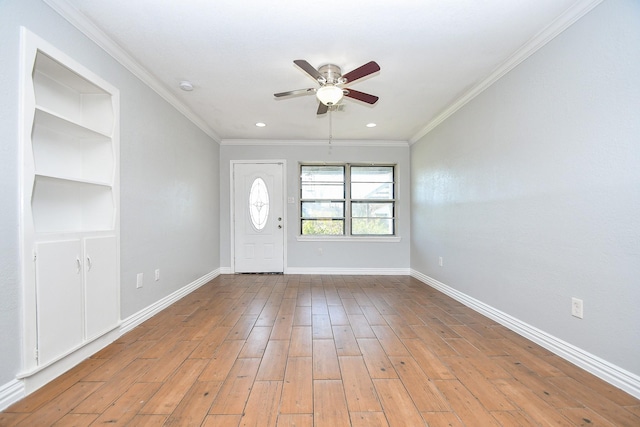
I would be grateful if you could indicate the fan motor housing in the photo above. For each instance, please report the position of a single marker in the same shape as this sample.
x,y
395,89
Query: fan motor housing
x,y
332,73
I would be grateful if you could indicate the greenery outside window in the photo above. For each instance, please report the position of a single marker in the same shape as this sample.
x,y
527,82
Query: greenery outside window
x,y
347,200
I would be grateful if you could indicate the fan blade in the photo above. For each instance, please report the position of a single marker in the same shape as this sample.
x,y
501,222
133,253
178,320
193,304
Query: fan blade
x,y
361,96
295,92
310,70
362,71
322,109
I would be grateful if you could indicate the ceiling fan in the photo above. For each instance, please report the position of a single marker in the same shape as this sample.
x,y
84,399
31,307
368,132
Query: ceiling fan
x,y
331,80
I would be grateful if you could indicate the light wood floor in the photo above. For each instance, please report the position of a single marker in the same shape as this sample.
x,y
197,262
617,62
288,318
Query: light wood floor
x,y
268,350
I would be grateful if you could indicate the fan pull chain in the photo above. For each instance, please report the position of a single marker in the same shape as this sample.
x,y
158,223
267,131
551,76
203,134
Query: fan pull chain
x,y
330,126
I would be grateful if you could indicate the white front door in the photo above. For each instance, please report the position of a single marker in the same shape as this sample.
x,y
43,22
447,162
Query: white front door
x,y
258,202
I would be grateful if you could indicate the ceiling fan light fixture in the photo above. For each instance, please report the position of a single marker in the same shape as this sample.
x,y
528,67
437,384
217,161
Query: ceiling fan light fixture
x,y
329,94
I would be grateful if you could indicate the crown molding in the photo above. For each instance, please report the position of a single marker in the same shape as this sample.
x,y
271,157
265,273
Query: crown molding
x,y
564,21
320,142
95,34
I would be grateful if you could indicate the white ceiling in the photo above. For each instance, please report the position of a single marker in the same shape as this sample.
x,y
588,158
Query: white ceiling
x,y
433,55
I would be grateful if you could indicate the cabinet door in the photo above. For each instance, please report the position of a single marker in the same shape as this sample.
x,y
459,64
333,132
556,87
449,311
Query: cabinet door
x,y
59,298
101,285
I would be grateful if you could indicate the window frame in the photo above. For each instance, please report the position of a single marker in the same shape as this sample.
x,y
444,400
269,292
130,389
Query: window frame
x,y
348,201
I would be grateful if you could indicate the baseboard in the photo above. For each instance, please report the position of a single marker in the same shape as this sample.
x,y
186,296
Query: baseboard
x,y
11,392
613,374
134,320
349,271
27,383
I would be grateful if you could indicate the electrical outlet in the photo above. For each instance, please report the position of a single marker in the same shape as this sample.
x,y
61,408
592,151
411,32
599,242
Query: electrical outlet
x,y
139,279
320,251
157,274
577,309
440,261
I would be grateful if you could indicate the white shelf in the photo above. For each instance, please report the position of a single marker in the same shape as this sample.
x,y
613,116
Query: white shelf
x,y
62,148
63,205
66,94
50,119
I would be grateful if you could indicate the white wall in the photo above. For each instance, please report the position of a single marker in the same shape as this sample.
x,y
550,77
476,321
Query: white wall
x,y
169,179
531,192
304,256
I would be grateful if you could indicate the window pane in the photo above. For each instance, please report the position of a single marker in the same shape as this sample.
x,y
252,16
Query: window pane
x,y
322,227
322,174
372,210
372,174
323,209
371,190
317,191
376,226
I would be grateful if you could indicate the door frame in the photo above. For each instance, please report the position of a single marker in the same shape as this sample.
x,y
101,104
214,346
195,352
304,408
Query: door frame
x,y
232,199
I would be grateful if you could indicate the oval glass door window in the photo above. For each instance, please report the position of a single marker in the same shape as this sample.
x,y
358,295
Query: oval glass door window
x,y
259,204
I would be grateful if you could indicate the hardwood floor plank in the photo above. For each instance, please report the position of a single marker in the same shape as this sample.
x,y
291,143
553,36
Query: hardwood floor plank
x,y
282,327
338,315
398,405
210,343
375,358
262,406
148,421
172,391
321,326
222,421
60,405
360,326
368,419
221,362
424,393
295,420
110,390
302,316
325,360
539,410
345,340
329,404
478,385
465,405
73,420
194,406
428,362
256,342
301,342
274,361
169,362
297,389
235,390
596,401
46,394
358,387
389,341
445,419
122,411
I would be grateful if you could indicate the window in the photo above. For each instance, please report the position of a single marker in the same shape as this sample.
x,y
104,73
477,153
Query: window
x,y
347,200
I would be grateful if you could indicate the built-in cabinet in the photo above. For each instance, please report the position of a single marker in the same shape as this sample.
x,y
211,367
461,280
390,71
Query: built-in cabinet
x,y
70,204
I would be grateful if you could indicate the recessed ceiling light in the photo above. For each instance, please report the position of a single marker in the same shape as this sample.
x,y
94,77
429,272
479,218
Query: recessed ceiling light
x,y
186,86
261,125
371,125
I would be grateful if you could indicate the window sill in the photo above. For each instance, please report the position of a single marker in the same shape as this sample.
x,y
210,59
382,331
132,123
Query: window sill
x,y
366,239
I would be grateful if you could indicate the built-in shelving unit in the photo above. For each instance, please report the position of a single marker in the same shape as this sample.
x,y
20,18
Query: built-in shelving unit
x,y
70,197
